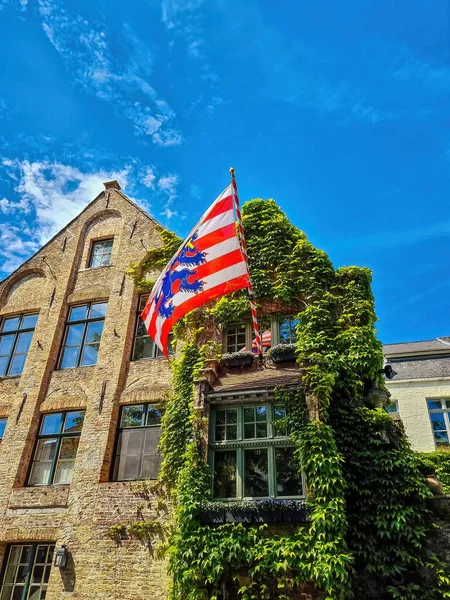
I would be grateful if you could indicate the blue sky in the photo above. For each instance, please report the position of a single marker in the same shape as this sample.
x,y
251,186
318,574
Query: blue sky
x,y
338,110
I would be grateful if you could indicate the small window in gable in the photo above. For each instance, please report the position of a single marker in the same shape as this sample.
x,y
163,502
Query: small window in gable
x,y
101,254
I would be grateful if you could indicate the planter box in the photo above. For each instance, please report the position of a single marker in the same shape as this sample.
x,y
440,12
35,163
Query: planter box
x,y
295,516
238,362
238,516
283,357
211,517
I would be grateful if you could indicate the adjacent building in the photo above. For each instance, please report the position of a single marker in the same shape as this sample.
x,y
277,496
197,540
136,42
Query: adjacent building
x,y
420,390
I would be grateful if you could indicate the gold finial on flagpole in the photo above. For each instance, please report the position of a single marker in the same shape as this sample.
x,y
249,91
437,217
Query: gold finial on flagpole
x,y
232,173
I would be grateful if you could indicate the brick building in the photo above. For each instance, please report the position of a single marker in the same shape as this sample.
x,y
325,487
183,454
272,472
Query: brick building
x,y
81,387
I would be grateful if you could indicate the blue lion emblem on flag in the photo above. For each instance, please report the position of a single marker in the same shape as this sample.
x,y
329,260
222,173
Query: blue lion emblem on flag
x,y
178,280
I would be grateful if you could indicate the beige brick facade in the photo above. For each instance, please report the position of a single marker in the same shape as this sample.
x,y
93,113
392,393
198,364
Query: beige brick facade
x,y
79,514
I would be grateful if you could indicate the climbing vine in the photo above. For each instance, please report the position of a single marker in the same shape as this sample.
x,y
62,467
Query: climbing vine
x,y
366,495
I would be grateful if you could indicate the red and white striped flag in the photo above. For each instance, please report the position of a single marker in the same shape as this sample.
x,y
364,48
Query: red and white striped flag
x,y
209,264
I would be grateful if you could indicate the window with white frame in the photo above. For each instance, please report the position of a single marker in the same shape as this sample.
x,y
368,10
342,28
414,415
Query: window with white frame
x,y
251,454
439,410
101,254
235,337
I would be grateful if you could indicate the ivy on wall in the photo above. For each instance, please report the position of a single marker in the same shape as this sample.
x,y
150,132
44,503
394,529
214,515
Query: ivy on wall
x,y
368,517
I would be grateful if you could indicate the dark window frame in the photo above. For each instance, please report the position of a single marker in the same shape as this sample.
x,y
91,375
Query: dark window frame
x,y
116,456
16,333
82,344
273,441
91,252
2,433
31,564
156,352
60,436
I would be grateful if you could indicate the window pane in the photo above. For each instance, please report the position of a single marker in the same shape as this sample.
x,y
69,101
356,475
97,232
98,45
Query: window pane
x,y
261,413
231,432
221,416
225,474
256,480
441,438
29,321
23,342
51,424
150,466
279,428
232,416
11,324
74,335
38,573
78,313
289,481
98,310
64,472
90,354
21,573
249,415
143,301
17,364
69,357
2,427
105,260
143,348
96,261
434,404
130,448
74,421
41,555
261,430
141,328
40,473
154,416
6,344
35,592
132,416
249,431
94,332
3,365
220,433
437,421
69,447
45,450
10,574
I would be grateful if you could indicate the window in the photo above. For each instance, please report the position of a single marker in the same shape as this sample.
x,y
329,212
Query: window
x,y
27,571
16,334
251,455
286,330
137,455
236,337
2,428
392,407
439,414
56,448
82,335
101,254
144,346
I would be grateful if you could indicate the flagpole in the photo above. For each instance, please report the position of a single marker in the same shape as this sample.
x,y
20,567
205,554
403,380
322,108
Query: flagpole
x,y
244,253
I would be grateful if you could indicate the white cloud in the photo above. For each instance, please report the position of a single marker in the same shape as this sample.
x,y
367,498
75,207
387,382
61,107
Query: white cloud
x,y
168,185
14,248
148,177
52,194
121,81
167,138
